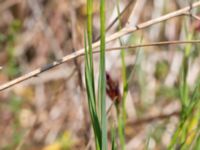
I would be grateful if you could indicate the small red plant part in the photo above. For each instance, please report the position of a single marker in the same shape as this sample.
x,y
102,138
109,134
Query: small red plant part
x,y
112,89
196,24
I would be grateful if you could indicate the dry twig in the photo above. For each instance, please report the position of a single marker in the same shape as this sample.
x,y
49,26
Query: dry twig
x,y
124,31
36,72
154,118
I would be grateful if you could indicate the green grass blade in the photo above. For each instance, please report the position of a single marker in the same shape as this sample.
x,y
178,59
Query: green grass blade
x,y
91,97
89,38
122,117
121,131
102,77
113,137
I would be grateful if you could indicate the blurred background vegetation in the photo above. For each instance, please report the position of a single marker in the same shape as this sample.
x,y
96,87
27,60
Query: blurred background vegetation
x,y
49,111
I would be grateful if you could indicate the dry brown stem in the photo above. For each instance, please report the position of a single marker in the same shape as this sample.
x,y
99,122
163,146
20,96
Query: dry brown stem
x,y
126,30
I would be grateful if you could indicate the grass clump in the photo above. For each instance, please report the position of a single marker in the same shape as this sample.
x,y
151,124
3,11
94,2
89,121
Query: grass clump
x,y
97,107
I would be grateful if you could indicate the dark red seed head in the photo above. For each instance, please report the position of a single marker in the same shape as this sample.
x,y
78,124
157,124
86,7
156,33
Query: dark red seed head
x,y
112,89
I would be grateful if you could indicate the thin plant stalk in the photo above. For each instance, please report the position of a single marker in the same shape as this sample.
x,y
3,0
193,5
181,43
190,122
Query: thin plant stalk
x,y
89,78
102,78
122,115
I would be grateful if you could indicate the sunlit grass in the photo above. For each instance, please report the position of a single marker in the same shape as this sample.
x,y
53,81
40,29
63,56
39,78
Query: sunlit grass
x,y
186,134
97,109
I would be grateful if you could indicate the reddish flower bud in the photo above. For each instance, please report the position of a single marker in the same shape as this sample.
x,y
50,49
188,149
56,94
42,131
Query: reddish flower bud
x,y
112,89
